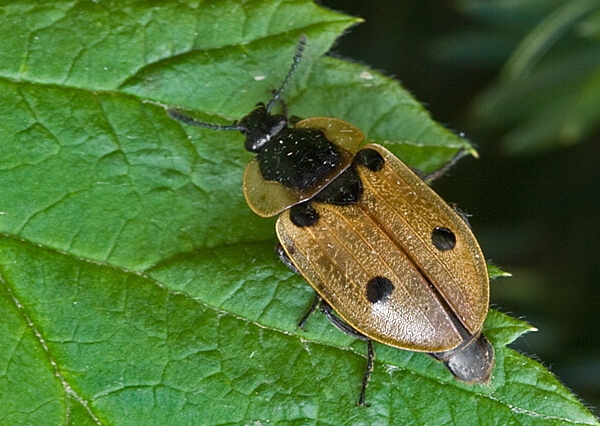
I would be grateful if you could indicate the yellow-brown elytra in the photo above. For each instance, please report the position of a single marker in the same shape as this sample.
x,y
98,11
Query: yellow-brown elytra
x,y
382,250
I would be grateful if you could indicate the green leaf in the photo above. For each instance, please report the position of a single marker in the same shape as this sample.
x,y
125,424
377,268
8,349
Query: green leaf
x,y
496,272
137,287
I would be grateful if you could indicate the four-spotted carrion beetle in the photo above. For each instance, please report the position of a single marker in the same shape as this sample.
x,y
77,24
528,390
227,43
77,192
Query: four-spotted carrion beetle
x,y
389,259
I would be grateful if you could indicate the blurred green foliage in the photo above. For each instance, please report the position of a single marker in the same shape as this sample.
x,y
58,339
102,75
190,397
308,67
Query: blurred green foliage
x,y
548,90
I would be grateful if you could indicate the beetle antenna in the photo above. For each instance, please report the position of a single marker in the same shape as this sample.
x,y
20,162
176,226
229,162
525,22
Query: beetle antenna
x,y
297,58
173,113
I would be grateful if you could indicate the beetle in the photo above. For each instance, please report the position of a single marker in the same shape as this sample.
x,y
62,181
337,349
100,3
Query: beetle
x,y
390,261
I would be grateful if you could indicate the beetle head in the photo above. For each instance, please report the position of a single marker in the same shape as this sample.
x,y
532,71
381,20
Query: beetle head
x,y
260,126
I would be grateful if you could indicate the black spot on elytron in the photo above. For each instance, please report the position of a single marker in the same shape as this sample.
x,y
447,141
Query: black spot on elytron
x,y
371,159
303,215
379,289
443,239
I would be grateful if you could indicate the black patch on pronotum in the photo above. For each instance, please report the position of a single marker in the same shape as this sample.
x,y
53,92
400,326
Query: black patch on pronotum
x,y
379,289
303,215
298,158
443,239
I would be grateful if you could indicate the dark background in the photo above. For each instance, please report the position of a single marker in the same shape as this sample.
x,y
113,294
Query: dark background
x,y
536,215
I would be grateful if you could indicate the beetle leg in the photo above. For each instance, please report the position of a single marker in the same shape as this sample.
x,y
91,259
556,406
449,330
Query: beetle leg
x,y
340,324
367,375
285,259
313,306
343,326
